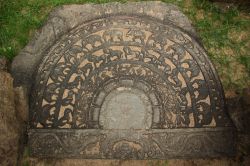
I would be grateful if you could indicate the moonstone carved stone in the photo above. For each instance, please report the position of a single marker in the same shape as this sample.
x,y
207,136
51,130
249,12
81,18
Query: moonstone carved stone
x,y
127,81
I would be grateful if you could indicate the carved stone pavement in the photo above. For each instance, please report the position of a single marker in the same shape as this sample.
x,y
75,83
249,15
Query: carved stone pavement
x,y
125,81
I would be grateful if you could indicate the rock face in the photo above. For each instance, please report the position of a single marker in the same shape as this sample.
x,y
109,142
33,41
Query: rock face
x,y
13,115
239,110
125,81
9,127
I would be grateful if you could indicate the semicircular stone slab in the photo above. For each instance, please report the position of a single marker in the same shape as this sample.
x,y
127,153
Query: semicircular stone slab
x,y
125,86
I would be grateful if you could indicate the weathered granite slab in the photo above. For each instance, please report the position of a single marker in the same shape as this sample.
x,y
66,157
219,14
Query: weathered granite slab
x,y
127,81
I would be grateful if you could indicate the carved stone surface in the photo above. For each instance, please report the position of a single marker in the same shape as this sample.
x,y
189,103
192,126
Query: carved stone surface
x,y
130,84
67,17
132,144
105,55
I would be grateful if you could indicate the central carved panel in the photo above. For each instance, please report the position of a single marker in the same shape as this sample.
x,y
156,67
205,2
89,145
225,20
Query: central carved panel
x,y
126,108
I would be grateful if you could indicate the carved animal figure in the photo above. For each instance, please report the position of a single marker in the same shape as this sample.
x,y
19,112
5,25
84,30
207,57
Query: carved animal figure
x,y
112,35
112,53
92,40
136,34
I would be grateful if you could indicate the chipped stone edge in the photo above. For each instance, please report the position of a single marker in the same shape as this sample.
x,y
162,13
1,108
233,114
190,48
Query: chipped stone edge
x,y
64,18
